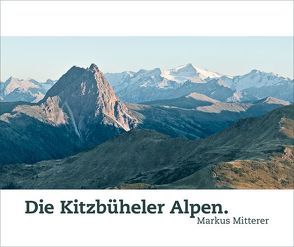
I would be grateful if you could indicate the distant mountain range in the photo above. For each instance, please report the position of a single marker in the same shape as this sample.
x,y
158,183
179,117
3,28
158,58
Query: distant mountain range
x,y
28,90
83,136
148,85
196,116
156,84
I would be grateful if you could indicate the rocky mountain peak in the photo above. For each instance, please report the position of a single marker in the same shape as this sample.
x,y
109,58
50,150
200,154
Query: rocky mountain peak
x,y
87,99
94,68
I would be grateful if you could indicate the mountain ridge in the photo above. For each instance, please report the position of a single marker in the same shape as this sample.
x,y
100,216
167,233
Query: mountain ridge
x,y
80,111
155,84
154,160
30,90
200,116
182,80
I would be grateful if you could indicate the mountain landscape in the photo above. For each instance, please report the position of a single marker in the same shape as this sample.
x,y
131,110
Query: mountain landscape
x,y
180,128
29,90
156,84
80,111
196,116
252,153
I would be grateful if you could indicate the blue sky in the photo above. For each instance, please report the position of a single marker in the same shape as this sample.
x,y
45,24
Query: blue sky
x,y
50,57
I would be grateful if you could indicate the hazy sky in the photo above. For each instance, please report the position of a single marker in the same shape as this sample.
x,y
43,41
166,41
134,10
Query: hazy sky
x,y
50,57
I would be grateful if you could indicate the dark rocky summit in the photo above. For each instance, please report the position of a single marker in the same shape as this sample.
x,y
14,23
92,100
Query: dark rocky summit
x,y
80,111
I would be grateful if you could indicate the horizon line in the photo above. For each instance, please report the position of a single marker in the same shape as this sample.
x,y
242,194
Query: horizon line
x,y
136,71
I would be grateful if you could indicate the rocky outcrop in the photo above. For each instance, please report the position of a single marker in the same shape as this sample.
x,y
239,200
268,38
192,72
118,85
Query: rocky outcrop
x,y
80,111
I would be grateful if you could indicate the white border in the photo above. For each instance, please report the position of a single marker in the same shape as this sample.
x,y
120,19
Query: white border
x,y
72,230
143,18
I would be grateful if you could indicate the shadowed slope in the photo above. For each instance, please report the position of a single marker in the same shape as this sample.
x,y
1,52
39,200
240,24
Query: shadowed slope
x,y
80,111
146,157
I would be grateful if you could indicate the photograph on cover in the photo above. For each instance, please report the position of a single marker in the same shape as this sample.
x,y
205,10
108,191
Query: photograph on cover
x,y
146,113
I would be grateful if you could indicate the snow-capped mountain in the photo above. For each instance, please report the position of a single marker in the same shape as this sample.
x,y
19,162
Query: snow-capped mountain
x,y
29,90
119,80
47,84
169,78
146,85
156,84
258,79
62,131
188,72
258,84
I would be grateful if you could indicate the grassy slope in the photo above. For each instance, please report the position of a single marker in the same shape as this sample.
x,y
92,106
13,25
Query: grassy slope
x,y
247,155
